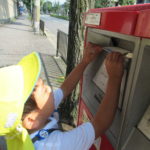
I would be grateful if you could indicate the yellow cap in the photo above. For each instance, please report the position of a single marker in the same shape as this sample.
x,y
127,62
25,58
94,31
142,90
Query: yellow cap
x,y
16,85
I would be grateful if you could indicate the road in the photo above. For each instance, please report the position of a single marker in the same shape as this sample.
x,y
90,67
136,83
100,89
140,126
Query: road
x,y
52,24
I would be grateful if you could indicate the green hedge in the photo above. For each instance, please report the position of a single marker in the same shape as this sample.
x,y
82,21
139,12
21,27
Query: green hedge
x,y
61,17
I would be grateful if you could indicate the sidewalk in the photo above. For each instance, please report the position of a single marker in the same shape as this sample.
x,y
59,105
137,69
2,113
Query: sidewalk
x,y
17,40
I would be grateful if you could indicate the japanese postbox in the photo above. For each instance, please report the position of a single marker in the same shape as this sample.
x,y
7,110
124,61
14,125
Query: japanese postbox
x,y
120,29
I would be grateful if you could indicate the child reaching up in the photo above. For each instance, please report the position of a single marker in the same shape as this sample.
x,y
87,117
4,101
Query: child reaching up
x,y
21,81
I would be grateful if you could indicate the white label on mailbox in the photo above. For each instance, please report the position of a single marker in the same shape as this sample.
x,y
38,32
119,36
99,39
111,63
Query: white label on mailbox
x,y
93,18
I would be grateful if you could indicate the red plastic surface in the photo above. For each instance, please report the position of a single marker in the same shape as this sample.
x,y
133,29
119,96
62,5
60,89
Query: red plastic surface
x,y
105,144
122,22
143,24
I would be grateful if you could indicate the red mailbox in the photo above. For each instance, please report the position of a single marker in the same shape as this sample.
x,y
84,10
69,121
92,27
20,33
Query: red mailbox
x,y
116,29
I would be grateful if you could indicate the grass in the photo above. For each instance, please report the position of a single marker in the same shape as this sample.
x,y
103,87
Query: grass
x,y
60,79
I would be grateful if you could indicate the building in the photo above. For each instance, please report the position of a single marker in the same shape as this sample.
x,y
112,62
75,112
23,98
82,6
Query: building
x,y
8,10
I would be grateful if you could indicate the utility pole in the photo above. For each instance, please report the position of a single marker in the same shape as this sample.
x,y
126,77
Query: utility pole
x,y
36,16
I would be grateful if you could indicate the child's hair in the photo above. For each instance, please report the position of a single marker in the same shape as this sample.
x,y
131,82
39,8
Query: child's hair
x,y
29,106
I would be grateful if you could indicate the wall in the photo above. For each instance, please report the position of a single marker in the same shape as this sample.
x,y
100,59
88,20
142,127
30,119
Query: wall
x,y
8,10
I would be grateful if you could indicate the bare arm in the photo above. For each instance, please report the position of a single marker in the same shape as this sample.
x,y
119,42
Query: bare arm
x,y
90,52
44,97
108,107
73,78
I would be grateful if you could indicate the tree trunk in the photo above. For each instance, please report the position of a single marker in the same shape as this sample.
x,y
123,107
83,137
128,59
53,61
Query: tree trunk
x,y
75,49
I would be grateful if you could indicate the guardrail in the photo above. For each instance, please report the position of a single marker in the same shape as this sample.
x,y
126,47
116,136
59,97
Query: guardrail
x,y
42,26
62,45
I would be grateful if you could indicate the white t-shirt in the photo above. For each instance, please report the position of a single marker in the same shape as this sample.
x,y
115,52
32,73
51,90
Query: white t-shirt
x,y
80,138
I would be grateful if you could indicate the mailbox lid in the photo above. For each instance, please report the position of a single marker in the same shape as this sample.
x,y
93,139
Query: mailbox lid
x,y
119,19
122,22
143,24
116,21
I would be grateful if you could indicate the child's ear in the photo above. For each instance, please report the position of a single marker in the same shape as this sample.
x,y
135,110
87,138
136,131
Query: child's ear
x,y
30,122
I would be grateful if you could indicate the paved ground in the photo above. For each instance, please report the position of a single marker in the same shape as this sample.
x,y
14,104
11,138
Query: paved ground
x,y
17,40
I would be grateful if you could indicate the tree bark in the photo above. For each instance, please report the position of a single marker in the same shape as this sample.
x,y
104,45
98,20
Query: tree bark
x,y
75,49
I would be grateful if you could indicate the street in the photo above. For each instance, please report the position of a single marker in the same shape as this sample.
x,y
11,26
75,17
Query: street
x,y
52,24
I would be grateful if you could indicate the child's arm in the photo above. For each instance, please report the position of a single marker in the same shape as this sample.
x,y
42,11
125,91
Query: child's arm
x,y
90,52
42,93
108,107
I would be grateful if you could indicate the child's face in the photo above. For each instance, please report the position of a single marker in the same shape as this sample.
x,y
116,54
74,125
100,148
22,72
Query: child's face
x,y
37,118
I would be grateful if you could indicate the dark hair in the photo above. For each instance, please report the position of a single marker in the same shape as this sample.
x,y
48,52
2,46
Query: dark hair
x,y
29,106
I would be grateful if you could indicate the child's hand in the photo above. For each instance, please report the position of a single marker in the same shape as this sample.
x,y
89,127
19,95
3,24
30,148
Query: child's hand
x,y
41,94
90,52
114,65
